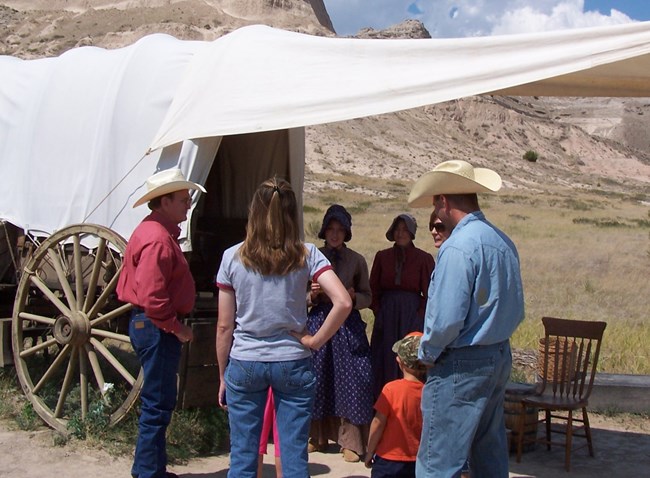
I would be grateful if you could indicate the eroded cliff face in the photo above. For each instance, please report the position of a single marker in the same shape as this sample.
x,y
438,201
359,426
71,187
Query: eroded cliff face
x,y
37,28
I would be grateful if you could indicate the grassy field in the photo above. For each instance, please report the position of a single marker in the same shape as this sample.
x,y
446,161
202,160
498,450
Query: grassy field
x,y
584,255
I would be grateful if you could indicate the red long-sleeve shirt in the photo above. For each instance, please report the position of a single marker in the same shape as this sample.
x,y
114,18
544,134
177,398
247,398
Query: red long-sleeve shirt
x,y
156,276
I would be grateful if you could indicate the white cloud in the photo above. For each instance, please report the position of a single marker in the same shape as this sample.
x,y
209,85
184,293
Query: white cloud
x,y
460,18
564,15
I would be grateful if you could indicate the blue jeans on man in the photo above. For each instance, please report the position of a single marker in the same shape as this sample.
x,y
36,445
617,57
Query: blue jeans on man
x,y
159,353
247,384
462,413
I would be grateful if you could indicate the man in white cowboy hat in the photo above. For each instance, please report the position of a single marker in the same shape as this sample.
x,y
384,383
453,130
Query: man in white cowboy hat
x,y
475,303
156,279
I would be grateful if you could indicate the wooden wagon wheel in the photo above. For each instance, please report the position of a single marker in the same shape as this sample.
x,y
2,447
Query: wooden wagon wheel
x,y
70,336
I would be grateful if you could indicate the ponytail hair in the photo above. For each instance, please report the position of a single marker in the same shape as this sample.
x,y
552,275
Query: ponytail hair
x,y
272,245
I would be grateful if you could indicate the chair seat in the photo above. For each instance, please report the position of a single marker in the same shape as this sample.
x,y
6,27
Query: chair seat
x,y
555,402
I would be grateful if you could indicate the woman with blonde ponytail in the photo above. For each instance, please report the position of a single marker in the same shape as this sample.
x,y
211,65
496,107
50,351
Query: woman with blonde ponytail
x,y
262,340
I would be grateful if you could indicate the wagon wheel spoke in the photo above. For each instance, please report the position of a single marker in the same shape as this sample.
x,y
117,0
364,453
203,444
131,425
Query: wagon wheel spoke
x,y
113,361
69,329
94,275
94,364
78,274
36,318
107,334
37,348
83,382
113,314
65,387
108,290
52,369
55,261
50,295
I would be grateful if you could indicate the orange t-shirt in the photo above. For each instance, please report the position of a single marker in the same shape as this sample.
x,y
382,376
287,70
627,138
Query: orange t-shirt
x,y
400,403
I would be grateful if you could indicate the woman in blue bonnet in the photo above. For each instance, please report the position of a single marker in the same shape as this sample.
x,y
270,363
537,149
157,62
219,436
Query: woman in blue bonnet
x,y
343,406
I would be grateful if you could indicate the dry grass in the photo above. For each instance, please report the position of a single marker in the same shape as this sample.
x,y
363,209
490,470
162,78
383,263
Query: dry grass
x,y
585,255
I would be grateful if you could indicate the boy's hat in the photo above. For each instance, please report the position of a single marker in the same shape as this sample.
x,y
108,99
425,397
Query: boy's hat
x,y
407,350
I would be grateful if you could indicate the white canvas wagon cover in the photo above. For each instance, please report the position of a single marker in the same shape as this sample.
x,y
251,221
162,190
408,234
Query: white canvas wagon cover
x,y
74,129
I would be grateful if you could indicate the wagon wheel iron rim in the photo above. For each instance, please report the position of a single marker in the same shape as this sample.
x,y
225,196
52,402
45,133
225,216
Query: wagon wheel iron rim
x,y
70,337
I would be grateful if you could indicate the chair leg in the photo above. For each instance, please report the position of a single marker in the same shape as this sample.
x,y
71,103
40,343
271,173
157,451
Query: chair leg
x,y
520,431
568,442
585,419
548,429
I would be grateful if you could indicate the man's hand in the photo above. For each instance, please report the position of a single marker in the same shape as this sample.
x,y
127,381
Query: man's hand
x,y
184,334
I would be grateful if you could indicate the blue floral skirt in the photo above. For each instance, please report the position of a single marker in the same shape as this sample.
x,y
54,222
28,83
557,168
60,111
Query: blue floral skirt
x,y
342,368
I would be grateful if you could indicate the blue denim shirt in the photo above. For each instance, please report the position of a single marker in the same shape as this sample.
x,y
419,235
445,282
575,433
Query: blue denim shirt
x,y
476,296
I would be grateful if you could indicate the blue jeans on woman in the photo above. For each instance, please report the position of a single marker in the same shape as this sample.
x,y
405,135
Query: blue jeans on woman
x,y
462,413
159,354
247,383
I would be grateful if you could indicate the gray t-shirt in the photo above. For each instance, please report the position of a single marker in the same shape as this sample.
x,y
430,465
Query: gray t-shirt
x,y
269,307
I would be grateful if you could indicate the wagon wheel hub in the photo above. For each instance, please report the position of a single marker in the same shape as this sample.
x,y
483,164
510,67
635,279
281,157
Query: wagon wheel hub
x,y
73,330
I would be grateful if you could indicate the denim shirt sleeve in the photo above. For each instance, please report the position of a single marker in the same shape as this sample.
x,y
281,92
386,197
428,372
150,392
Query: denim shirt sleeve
x,y
450,290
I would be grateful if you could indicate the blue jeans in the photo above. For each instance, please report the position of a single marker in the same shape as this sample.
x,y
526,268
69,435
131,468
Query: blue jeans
x,y
462,413
159,354
247,384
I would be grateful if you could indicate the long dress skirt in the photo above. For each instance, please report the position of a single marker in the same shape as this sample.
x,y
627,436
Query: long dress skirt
x,y
397,317
342,368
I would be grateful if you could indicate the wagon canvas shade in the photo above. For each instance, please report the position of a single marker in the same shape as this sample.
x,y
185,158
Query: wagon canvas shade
x,y
259,78
74,129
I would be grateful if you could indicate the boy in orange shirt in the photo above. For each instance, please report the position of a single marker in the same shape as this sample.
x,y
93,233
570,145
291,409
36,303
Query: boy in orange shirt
x,y
395,430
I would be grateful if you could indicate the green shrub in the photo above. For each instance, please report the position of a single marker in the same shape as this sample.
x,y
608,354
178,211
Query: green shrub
x,y
27,419
197,432
531,156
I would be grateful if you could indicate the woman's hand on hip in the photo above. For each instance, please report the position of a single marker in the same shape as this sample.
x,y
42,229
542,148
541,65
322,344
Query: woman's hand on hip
x,y
306,339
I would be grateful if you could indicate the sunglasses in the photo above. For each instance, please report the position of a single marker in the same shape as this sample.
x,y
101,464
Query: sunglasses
x,y
438,226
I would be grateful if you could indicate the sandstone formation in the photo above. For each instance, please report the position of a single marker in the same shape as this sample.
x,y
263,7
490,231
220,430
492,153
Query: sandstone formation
x,y
407,29
37,28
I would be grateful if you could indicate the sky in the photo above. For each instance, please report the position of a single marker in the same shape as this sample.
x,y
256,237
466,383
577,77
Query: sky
x,y
463,18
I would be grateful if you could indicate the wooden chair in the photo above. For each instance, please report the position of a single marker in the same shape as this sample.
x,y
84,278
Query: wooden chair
x,y
567,369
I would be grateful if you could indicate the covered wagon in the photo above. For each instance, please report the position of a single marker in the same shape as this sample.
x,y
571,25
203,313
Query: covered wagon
x,y
80,133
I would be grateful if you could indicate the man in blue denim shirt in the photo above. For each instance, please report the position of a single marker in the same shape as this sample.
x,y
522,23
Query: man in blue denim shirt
x,y
475,304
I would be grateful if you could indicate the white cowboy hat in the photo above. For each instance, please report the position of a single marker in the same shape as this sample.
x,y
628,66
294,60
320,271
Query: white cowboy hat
x,y
164,182
452,177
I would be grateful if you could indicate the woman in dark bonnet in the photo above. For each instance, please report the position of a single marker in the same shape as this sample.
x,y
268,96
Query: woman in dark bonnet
x,y
343,406
399,281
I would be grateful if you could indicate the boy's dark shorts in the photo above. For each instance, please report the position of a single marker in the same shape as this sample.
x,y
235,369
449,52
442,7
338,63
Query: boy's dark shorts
x,y
382,468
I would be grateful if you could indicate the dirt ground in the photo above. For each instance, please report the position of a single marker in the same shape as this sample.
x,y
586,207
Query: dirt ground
x,y
622,448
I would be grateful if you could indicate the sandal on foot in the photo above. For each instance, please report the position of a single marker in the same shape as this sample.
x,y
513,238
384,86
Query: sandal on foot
x,y
350,456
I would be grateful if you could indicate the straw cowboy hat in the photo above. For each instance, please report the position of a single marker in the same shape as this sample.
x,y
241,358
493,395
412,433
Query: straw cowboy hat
x,y
452,177
164,182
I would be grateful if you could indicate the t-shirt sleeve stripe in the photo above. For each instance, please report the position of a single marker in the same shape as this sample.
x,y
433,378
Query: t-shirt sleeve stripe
x,y
223,286
321,270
